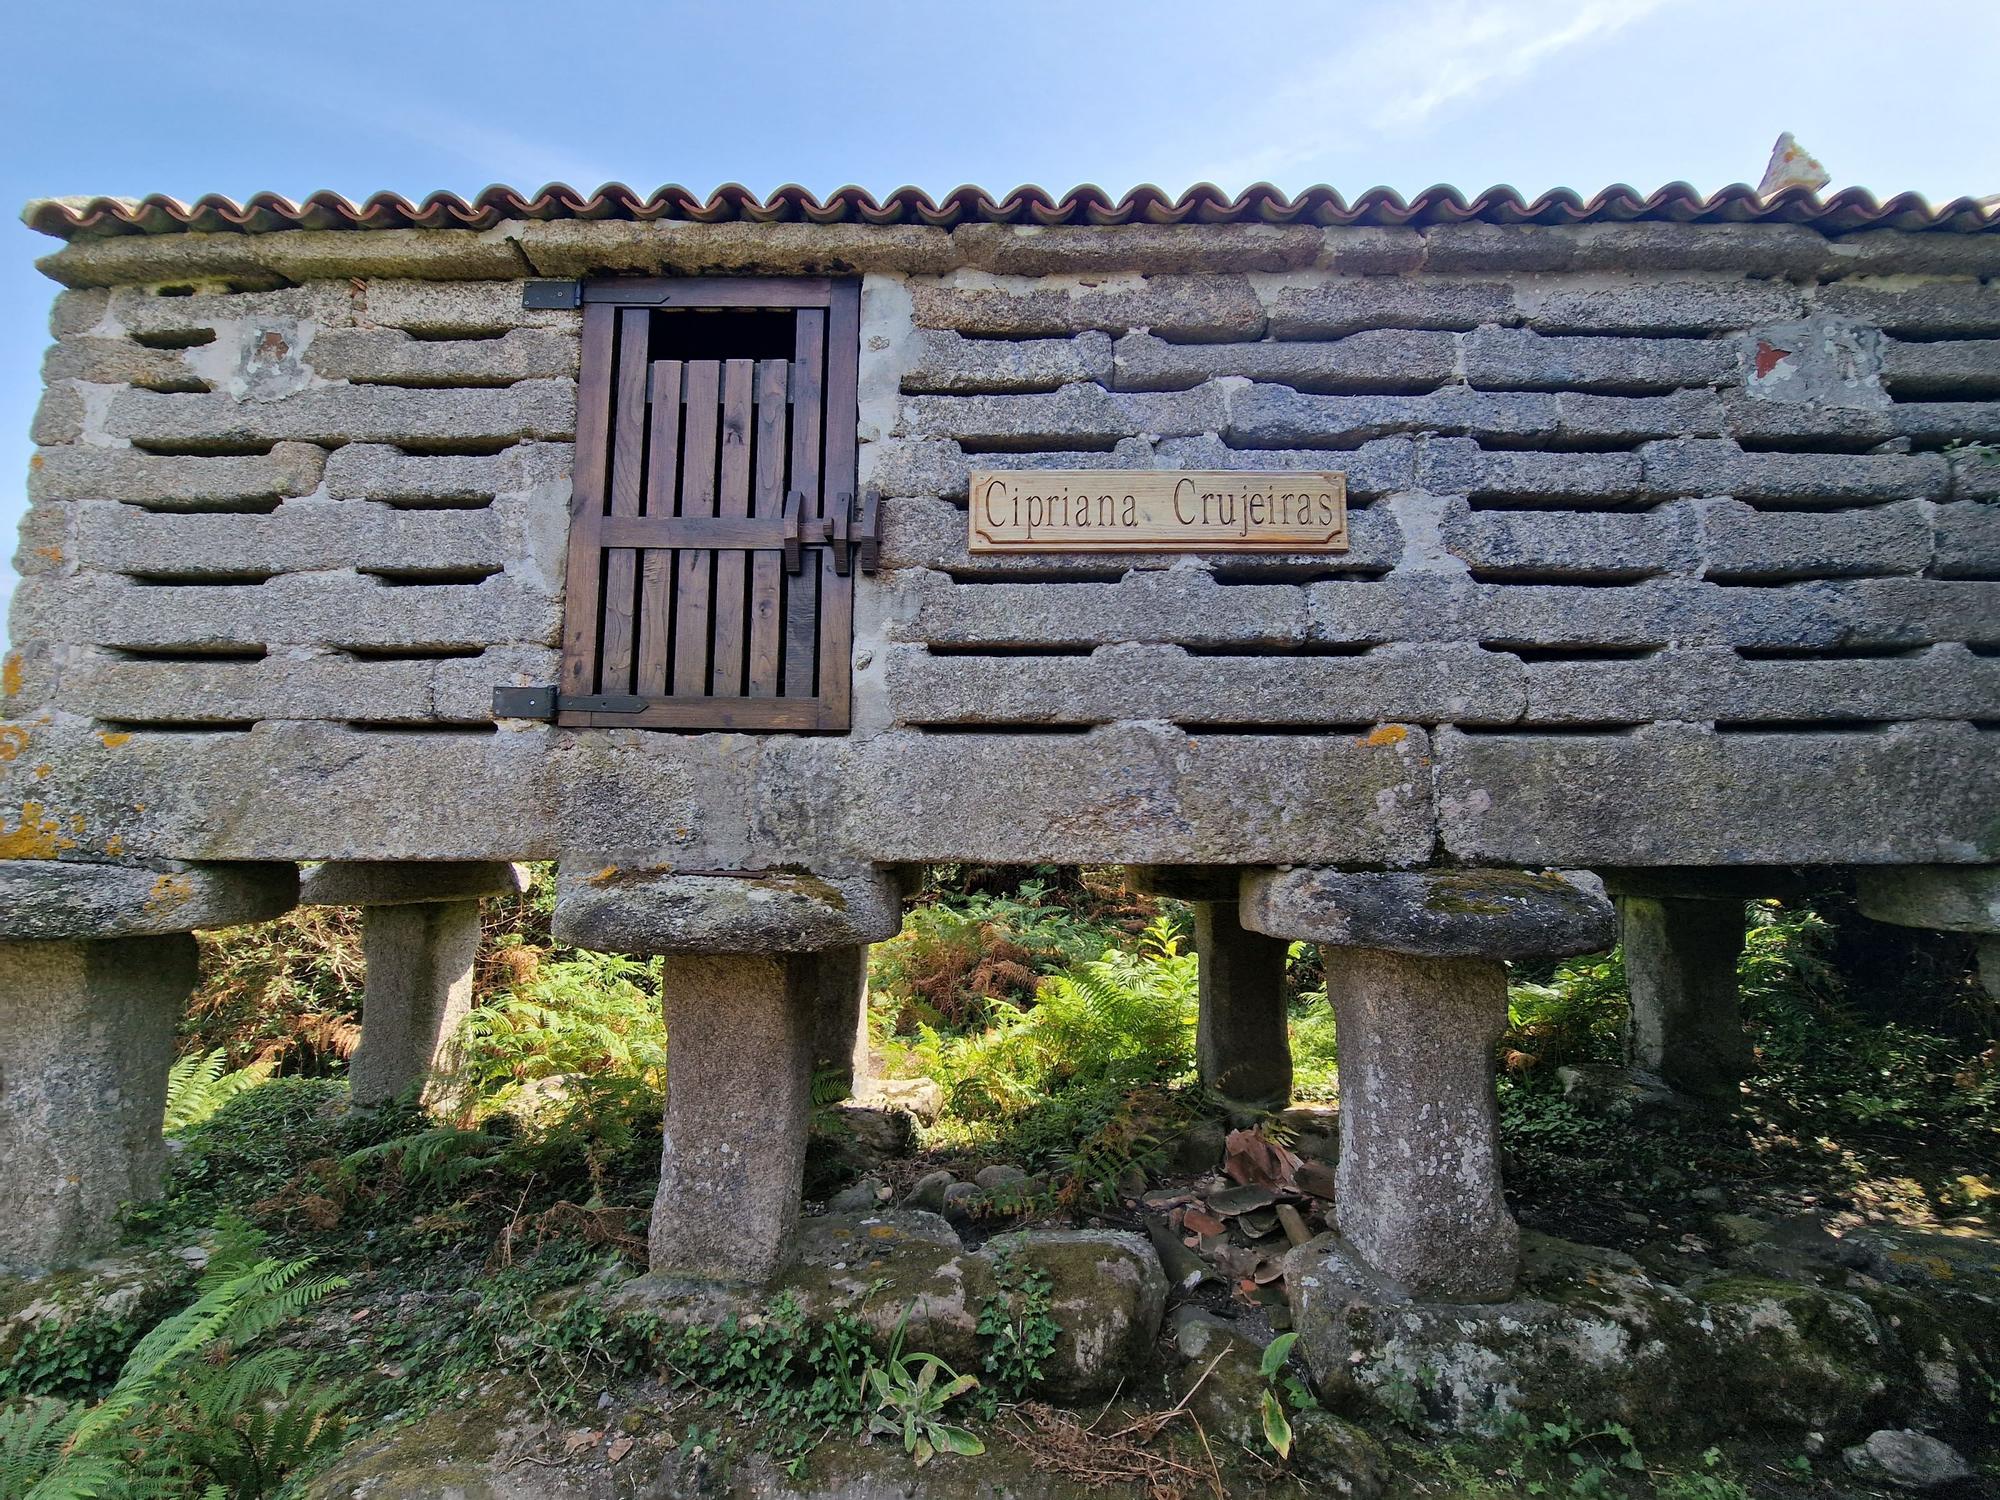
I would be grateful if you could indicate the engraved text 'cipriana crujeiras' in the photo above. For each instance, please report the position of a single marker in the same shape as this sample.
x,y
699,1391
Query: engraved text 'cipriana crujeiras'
x,y
1107,510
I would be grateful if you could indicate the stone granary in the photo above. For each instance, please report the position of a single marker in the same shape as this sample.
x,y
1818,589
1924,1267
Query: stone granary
x,y
740,555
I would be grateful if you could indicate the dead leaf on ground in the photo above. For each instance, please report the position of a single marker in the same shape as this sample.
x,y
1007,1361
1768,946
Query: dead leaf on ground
x,y
1252,1158
618,1450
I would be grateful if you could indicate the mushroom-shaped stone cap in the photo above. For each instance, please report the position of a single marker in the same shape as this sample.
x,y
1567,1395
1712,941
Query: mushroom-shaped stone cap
x,y
370,882
1494,914
769,911
1948,898
51,900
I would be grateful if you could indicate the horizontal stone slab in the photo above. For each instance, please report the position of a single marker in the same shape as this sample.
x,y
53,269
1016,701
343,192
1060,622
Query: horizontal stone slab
x,y
391,356
772,911
1741,543
1684,794
1967,535
1820,614
1544,545
408,883
112,361
1459,466
176,481
1710,685
1892,428
1076,411
314,685
1647,245
1140,793
1498,914
1182,249
1337,307
1709,466
458,309
1937,308
938,361
378,471
1424,684
1947,367
330,609
1376,360
1185,307
1184,606
1672,308
58,901
582,247
1523,360
301,536
349,414
292,255
183,322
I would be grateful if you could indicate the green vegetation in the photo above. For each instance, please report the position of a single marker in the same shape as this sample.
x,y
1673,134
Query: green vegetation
x,y
1055,1014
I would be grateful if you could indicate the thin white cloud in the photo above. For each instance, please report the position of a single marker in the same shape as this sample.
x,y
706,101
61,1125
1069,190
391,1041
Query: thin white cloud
x,y
1412,65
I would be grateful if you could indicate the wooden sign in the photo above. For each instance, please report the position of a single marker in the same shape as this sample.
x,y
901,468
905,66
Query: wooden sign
x,y
1157,510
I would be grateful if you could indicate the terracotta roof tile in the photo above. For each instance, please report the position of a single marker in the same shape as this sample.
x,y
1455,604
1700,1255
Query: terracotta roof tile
x,y
1853,208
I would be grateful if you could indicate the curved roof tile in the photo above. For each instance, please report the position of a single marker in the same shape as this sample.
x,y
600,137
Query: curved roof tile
x,y
1853,208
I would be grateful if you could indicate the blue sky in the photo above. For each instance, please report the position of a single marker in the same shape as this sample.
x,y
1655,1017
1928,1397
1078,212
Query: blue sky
x,y
135,98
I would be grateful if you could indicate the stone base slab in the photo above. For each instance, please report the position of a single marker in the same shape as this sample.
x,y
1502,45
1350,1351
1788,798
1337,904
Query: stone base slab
x,y
408,882
1433,914
771,911
45,900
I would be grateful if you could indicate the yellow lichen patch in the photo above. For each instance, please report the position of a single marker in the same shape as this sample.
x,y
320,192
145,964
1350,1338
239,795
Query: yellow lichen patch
x,y
10,674
13,740
605,876
115,845
1384,734
43,771
34,836
53,554
113,738
168,892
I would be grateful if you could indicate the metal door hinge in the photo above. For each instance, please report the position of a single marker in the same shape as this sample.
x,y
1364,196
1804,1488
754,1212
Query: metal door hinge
x,y
552,294
546,703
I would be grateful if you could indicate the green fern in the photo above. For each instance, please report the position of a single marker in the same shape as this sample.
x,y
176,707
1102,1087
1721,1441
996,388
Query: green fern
x,y
187,1414
200,1083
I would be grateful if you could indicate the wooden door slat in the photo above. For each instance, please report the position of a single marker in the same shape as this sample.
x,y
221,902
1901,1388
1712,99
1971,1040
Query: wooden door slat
x,y
732,503
581,614
697,498
767,576
628,458
656,582
802,588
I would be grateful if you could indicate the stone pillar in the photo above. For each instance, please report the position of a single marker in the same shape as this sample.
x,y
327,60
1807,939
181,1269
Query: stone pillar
x,y
1680,965
740,1034
1419,990
750,962
1243,1048
840,1036
95,964
419,937
87,1033
1419,1175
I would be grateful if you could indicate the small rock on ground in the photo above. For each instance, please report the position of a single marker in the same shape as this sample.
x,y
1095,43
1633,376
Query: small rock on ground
x,y
1908,1460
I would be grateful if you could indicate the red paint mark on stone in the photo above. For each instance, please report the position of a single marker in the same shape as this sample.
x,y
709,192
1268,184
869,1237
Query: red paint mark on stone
x,y
1769,358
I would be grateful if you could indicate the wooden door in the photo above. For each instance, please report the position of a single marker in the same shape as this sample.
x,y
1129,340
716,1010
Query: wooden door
x,y
709,579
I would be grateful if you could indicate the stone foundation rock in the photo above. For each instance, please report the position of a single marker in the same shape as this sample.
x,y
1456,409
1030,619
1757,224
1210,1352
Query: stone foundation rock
x,y
1591,1338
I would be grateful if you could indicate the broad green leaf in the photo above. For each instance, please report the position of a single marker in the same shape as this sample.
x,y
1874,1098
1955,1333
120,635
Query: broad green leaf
x,y
958,1440
1276,1353
1277,1430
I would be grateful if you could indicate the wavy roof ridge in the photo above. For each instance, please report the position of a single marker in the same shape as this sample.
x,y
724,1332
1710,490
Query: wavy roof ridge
x,y
1204,203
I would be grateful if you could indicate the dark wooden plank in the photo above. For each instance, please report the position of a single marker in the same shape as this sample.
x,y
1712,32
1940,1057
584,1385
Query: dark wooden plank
x,y
656,581
772,715
836,589
587,500
767,575
733,503
697,498
711,291
802,588
628,470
